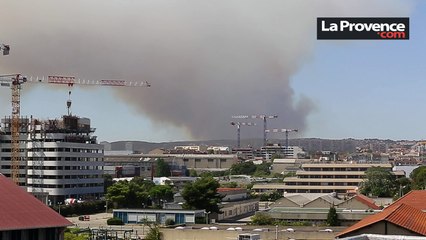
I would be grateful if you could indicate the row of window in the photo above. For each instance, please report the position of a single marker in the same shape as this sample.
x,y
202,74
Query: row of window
x,y
331,176
68,185
57,167
67,176
79,150
322,184
199,160
334,169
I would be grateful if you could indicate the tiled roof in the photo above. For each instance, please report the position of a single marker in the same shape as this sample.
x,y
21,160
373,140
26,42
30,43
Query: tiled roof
x,y
21,210
405,212
367,201
415,198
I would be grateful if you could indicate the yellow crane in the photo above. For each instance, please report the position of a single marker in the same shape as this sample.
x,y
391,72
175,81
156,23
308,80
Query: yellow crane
x,y
15,82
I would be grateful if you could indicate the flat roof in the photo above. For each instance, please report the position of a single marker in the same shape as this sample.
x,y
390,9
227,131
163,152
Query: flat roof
x,y
304,210
158,211
352,173
347,165
219,156
320,187
284,187
295,179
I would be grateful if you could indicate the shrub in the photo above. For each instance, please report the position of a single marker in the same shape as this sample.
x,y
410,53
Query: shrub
x,y
115,221
84,208
170,222
261,218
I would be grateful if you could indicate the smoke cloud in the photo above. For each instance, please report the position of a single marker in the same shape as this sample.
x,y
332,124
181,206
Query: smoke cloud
x,y
206,60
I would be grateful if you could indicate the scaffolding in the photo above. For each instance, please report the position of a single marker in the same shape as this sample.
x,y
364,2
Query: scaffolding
x,y
37,139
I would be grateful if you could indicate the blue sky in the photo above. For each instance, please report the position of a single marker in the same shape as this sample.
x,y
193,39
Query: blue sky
x,y
360,89
368,89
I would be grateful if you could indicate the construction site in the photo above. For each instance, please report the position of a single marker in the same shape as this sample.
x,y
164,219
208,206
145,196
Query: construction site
x,y
54,159
58,158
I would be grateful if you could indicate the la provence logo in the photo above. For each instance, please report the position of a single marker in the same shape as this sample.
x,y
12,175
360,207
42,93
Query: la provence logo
x,y
363,28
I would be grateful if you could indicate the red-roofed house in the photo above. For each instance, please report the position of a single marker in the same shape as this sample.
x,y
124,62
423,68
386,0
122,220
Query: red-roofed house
x,y
24,217
404,217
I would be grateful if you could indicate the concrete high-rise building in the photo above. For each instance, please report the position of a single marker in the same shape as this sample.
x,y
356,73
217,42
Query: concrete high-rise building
x,y
59,158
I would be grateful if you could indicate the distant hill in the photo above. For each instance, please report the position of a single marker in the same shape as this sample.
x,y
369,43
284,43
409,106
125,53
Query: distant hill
x,y
308,144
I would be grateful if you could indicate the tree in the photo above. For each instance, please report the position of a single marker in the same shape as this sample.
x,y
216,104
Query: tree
x,y
244,168
193,173
202,194
73,234
272,196
154,233
332,218
160,193
162,168
261,218
117,193
130,194
379,182
262,170
404,186
418,177
107,181
229,185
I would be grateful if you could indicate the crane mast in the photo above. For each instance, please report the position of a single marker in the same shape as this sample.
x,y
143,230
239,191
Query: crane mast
x,y
264,117
286,131
16,113
239,124
14,81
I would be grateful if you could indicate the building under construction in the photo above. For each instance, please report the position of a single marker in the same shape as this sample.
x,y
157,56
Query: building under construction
x,y
58,158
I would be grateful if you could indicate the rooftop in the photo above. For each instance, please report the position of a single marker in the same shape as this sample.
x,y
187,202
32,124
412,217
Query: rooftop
x,y
21,210
407,212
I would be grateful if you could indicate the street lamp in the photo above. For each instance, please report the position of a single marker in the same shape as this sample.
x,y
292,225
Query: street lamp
x,y
207,217
59,209
276,232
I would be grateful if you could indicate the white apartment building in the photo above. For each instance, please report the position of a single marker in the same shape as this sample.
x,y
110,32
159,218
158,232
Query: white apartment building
x,y
60,158
287,152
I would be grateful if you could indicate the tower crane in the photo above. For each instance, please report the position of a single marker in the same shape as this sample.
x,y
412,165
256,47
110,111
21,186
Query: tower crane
x,y
264,117
286,131
15,82
239,124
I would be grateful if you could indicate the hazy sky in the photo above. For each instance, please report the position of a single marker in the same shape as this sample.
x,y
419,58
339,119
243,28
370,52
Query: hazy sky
x,y
209,60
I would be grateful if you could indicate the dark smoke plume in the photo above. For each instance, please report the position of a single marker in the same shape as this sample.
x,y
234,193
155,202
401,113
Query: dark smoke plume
x,y
206,60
